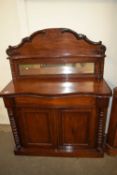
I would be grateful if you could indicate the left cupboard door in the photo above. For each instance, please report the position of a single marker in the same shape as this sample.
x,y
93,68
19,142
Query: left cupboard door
x,y
36,127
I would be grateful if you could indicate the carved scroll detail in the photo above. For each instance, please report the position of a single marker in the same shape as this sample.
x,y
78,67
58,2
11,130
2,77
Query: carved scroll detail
x,y
81,36
14,128
56,39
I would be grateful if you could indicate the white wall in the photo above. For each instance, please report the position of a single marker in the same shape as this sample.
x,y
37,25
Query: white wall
x,y
95,18
9,34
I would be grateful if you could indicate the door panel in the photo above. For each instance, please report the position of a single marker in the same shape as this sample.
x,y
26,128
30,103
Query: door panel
x,y
36,127
77,128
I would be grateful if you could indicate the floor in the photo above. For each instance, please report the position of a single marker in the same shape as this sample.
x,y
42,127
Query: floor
x,y
32,165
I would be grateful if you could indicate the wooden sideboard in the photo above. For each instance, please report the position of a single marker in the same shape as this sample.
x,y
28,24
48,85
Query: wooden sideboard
x,y
57,101
111,146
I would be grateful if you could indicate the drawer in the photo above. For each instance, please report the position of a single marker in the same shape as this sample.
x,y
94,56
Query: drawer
x,y
56,101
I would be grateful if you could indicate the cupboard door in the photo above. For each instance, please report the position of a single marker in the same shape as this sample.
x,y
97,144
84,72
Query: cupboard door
x,y
36,127
77,128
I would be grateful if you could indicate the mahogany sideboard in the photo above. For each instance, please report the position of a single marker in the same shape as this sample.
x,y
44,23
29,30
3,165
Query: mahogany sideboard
x,y
57,101
111,146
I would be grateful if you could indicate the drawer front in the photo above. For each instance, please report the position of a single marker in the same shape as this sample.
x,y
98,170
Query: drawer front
x,y
56,101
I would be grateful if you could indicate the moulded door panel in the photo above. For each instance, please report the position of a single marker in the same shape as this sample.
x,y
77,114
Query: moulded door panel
x,y
36,127
77,128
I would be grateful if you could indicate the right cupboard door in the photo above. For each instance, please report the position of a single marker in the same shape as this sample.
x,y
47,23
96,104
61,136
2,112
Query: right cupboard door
x,y
77,128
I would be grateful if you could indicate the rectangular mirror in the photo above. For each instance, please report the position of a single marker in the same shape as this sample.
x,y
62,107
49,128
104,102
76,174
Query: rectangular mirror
x,y
52,69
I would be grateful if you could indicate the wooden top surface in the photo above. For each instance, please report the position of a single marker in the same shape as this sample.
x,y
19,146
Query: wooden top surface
x,y
35,87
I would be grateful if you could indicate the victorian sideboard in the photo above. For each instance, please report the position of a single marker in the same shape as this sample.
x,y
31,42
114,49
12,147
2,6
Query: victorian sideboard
x,y
57,100
111,146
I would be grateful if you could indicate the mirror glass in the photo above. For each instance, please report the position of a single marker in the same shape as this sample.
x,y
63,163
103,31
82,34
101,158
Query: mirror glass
x,y
52,69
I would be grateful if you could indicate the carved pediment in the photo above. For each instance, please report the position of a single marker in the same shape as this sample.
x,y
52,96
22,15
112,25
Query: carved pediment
x,y
56,42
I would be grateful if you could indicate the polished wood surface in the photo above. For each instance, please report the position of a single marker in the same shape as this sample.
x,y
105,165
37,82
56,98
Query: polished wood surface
x,y
61,113
57,46
56,42
34,86
111,146
32,121
57,126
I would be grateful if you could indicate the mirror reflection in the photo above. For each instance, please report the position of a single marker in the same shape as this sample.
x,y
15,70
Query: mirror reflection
x,y
67,68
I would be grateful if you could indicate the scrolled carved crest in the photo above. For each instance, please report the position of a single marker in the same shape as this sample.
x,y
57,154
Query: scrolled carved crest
x,y
56,42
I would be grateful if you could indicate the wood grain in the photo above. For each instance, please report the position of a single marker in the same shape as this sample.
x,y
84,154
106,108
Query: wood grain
x,y
57,114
